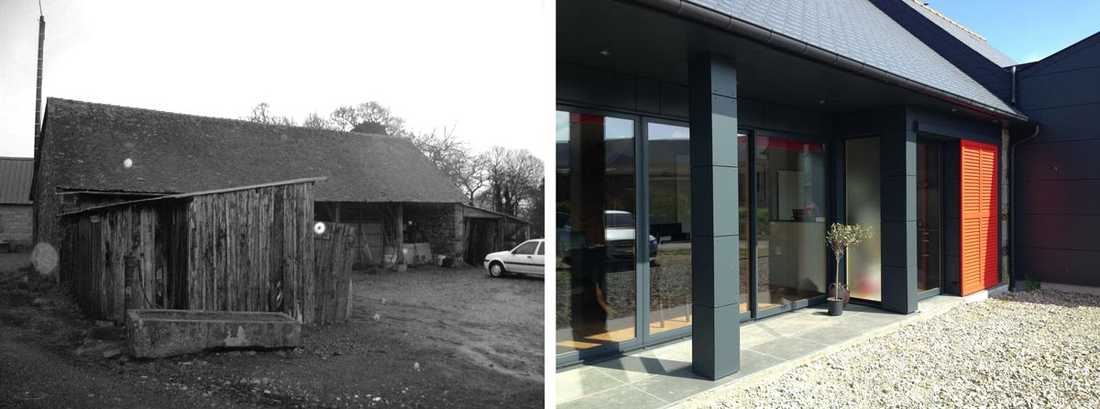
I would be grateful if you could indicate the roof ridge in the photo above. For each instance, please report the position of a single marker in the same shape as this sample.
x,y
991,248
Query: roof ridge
x,y
217,118
949,20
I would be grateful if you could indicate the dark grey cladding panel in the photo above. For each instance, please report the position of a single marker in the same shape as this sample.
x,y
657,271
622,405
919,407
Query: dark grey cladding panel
x,y
1060,231
1059,161
1068,123
674,100
1084,54
1060,89
1070,197
780,118
954,126
595,87
607,89
1076,267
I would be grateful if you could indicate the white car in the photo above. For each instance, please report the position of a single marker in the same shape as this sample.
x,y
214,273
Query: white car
x,y
527,258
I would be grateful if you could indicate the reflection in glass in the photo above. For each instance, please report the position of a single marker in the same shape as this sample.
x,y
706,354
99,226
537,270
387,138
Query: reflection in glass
x,y
669,227
862,198
595,208
790,214
929,215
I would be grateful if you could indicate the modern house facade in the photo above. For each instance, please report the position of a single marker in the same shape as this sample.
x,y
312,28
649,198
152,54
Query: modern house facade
x,y
703,147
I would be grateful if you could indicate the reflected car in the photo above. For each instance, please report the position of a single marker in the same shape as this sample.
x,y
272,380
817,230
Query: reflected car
x,y
527,259
618,235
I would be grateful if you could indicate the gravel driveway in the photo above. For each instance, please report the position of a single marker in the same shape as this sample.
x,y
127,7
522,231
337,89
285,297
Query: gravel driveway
x,y
1038,349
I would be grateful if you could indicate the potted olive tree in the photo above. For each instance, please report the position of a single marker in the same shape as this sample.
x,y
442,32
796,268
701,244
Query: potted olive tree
x,y
839,238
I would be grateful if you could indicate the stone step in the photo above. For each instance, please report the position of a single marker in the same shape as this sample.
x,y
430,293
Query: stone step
x,y
162,333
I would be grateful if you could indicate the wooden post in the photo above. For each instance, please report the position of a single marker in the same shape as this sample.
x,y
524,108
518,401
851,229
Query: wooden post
x,y
399,234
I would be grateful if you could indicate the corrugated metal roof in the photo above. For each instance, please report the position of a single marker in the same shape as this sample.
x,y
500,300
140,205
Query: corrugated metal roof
x,y
15,180
968,37
86,145
858,30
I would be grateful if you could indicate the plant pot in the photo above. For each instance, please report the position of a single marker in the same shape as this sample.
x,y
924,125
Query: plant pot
x,y
836,306
843,295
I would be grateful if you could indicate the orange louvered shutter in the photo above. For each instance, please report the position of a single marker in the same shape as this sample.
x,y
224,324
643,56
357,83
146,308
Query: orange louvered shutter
x,y
978,208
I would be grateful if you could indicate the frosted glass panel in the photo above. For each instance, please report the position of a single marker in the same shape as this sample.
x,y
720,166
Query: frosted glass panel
x,y
863,197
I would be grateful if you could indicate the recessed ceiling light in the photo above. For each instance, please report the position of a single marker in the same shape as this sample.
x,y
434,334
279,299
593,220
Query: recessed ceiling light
x,y
605,52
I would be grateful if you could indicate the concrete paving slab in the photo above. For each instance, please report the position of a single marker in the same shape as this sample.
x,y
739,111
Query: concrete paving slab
x,y
769,348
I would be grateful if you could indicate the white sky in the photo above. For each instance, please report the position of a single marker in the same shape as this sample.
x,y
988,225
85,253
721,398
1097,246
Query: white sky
x,y
485,67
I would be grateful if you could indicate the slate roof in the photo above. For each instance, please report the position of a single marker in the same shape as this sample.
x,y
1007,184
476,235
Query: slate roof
x,y
971,39
86,145
858,30
15,180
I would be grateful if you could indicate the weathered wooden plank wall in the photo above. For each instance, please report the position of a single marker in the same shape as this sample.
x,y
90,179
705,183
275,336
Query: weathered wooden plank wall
x,y
252,250
335,255
244,250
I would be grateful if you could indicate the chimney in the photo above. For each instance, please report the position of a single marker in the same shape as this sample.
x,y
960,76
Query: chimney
x,y
38,84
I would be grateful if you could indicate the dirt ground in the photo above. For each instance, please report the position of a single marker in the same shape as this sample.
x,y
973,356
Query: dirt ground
x,y
424,338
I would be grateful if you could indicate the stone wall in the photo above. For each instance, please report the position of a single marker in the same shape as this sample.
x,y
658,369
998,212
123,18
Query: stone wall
x,y
438,224
16,225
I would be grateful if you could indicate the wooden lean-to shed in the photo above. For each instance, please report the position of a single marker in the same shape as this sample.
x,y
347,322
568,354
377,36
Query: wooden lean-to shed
x,y
247,248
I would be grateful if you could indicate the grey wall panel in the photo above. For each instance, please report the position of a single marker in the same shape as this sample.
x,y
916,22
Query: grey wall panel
x,y
954,126
1060,89
1066,197
1068,123
1057,198
674,100
595,87
1077,267
1082,55
1058,161
1059,231
623,92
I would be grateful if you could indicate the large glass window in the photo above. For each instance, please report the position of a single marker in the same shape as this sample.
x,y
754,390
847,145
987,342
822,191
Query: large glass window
x,y
595,207
863,196
669,226
790,221
929,215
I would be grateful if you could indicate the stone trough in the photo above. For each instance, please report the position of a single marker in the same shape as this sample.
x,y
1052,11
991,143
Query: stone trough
x,y
163,333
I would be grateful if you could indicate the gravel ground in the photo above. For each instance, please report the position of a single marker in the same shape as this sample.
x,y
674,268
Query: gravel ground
x,y
1038,349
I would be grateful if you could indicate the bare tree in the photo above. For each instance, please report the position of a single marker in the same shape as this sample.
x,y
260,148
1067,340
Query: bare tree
x,y
318,122
369,116
453,157
261,113
515,179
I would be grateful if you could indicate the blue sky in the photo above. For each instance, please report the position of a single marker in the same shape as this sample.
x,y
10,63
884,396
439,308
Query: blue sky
x,y
1026,30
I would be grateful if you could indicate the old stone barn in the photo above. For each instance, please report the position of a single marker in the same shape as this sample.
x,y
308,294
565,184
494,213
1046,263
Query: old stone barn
x,y
15,203
91,154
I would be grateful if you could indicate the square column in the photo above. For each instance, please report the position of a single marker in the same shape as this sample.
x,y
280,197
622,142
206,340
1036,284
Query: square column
x,y
899,217
715,342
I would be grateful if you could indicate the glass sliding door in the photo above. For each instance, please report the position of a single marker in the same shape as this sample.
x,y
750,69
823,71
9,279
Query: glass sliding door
x,y
669,173
929,215
595,211
744,233
862,198
790,216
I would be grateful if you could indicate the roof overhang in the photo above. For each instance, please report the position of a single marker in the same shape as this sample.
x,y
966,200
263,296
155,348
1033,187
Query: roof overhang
x,y
654,39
